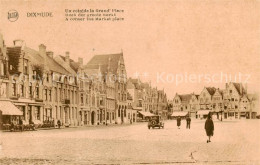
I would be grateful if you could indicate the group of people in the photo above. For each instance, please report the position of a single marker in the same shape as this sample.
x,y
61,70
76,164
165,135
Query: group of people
x,y
209,125
188,121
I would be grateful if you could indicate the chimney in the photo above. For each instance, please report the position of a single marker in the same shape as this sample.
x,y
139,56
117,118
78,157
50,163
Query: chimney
x,y
226,85
18,43
246,88
67,57
50,54
80,61
42,50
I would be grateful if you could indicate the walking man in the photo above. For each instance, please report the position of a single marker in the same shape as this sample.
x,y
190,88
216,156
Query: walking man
x,y
188,120
178,122
209,127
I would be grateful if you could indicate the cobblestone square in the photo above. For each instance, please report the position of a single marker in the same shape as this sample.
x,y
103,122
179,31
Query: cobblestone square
x,y
234,142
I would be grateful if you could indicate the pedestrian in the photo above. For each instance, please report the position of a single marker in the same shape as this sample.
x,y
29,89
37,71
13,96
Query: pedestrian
x,y
59,123
209,127
188,121
12,126
178,122
21,124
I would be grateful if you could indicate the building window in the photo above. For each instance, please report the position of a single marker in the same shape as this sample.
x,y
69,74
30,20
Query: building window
x,y
118,112
45,94
37,113
30,89
76,94
56,94
60,94
47,77
23,110
37,92
93,100
81,98
101,101
107,115
72,109
81,84
14,88
56,111
97,101
25,67
230,91
50,95
72,97
87,100
22,90
2,69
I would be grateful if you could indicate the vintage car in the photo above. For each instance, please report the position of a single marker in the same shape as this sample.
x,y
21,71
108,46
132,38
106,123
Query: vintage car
x,y
155,121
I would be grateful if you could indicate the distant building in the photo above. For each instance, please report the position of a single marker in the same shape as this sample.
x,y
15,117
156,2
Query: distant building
x,y
231,102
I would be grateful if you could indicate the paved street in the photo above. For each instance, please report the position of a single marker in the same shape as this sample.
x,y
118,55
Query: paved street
x,y
234,142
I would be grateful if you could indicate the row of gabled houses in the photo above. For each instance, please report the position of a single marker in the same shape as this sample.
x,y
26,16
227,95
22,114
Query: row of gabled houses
x,y
231,102
147,100
38,87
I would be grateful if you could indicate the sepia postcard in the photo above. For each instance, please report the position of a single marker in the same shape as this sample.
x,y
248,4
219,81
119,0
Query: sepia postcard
x,y
129,82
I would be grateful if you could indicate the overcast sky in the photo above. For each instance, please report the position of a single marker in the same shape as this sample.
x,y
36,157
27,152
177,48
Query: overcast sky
x,y
158,38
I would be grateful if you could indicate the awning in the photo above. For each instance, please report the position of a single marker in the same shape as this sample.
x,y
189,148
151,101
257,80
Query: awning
x,y
9,108
146,114
203,112
175,114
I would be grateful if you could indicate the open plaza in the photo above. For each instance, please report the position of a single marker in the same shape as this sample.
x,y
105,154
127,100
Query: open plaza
x,y
234,142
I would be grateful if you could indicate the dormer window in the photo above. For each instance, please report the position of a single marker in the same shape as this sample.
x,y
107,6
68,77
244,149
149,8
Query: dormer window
x,y
230,91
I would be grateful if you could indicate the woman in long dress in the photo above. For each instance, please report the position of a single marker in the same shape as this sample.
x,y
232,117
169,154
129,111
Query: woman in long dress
x,y
209,127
